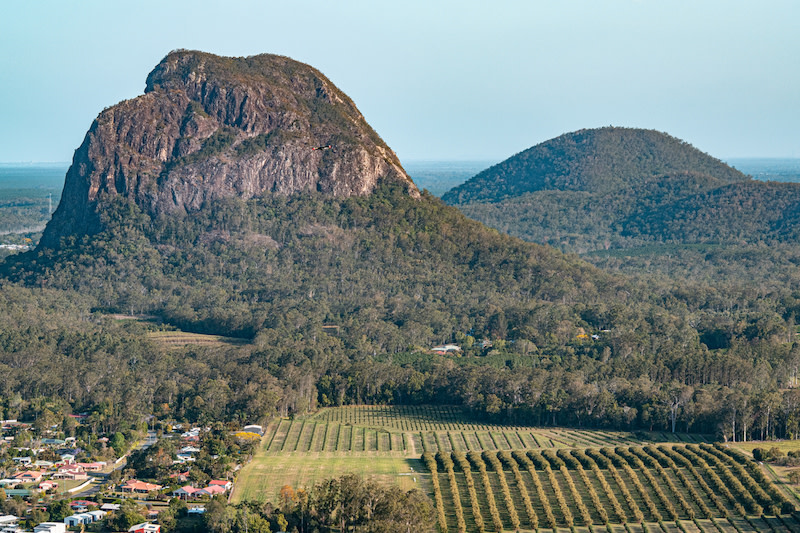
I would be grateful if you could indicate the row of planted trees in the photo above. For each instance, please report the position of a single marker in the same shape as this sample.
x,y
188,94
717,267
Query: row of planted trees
x,y
533,489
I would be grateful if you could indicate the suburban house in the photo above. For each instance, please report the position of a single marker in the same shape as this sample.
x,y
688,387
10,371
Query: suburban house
x,y
445,349
92,467
78,519
186,493
8,524
29,476
188,450
225,484
180,476
70,468
50,527
84,518
71,471
81,506
47,485
145,527
75,476
141,487
211,491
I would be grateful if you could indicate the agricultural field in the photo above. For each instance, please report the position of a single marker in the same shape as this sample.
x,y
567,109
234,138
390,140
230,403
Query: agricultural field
x,y
486,477
177,339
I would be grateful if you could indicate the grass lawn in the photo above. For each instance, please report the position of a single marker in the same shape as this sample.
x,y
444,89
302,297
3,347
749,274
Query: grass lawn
x,y
263,477
783,445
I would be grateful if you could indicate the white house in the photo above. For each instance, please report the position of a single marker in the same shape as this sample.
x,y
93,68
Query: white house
x,y
78,519
9,524
50,527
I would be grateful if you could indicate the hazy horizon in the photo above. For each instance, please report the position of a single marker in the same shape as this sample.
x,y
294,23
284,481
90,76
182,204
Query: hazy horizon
x,y
446,80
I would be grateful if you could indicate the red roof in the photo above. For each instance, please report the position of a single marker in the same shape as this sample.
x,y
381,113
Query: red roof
x,y
211,490
133,484
81,503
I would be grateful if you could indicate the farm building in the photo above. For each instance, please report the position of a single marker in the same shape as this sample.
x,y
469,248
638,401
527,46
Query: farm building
x,y
254,428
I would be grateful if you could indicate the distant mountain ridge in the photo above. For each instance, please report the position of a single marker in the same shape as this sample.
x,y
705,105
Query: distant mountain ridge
x,y
621,188
592,160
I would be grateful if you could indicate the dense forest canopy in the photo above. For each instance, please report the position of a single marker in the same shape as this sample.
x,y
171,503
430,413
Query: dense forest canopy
x,y
601,161
393,275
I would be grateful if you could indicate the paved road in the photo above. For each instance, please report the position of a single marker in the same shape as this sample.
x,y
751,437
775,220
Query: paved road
x,y
100,479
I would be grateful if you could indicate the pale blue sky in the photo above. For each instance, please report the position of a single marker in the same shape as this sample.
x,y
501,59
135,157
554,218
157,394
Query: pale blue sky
x,y
437,79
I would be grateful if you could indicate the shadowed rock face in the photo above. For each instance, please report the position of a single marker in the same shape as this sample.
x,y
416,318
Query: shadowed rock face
x,y
209,127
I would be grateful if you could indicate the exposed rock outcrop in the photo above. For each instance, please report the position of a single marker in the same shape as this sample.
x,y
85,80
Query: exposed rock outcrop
x,y
209,127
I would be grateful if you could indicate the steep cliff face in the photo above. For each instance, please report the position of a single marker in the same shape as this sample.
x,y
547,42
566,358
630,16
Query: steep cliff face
x,y
210,127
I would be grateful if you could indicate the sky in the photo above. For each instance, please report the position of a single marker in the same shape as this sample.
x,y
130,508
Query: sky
x,y
437,79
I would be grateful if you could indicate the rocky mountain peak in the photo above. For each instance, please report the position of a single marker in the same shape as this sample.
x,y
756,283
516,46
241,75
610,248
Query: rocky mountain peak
x,y
209,127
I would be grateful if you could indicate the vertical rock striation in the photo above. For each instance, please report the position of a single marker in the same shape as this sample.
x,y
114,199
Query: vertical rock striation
x,y
209,127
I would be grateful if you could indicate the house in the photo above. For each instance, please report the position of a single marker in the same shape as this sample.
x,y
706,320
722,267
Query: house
x,y
71,468
70,471
109,507
5,483
25,460
180,476
47,485
141,487
50,527
98,515
196,510
22,493
42,464
445,349
186,493
75,476
81,506
8,524
188,450
225,484
29,476
182,458
145,527
78,519
211,491
92,467
254,428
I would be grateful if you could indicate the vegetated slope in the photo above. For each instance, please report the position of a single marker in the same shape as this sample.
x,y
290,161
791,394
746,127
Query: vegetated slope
x,y
593,189
343,281
603,160
211,127
742,213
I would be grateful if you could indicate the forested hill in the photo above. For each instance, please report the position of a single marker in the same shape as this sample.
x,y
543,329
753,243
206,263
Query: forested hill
x,y
613,189
604,160
338,284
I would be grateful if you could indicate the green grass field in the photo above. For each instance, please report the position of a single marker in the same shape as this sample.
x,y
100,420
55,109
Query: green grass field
x,y
387,443
263,478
